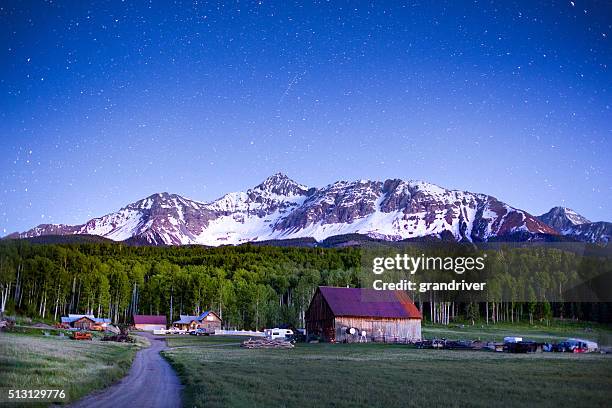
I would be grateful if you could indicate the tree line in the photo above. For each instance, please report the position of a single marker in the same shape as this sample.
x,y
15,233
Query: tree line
x,y
250,287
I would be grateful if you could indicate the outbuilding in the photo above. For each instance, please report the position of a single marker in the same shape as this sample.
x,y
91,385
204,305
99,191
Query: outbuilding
x,y
344,314
84,322
208,320
186,322
150,322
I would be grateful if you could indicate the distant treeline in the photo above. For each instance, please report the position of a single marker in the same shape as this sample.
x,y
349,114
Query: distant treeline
x,y
248,286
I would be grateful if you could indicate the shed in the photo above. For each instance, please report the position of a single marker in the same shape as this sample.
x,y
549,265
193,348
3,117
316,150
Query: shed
x,y
388,314
150,322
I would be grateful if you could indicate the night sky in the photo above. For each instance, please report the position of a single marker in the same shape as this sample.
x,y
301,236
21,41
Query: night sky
x,y
104,104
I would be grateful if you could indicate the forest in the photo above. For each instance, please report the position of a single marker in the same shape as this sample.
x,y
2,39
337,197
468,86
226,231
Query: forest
x,y
252,287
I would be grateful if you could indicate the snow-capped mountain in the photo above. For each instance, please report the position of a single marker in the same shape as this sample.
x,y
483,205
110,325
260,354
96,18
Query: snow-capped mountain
x,y
280,208
561,218
570,223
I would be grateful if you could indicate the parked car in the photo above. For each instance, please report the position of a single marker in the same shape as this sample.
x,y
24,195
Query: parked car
x,y
587,345
571,346
202,331
299,336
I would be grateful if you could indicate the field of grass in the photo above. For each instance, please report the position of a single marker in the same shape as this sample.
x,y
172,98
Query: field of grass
x,y
34,361
185,340
602,334
349,375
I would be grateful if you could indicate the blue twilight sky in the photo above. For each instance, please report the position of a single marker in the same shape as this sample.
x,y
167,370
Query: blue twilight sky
x,y
104,103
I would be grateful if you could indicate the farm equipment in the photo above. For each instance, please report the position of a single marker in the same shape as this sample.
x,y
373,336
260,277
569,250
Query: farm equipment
x,y
119,338
79,335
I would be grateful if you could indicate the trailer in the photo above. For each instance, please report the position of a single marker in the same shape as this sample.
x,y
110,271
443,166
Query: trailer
x,y
276,333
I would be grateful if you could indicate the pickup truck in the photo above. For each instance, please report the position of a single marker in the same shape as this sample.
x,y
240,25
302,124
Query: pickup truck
x,y
202,332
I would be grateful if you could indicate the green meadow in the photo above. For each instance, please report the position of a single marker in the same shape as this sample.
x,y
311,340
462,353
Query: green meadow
x,y
34,361
220,373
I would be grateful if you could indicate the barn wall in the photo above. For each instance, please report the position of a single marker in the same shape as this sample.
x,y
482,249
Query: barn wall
x,y
211,321
402,329
210,325
83,323
320,319
150,327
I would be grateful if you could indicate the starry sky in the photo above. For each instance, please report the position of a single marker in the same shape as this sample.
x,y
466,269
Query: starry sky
x,y
105,103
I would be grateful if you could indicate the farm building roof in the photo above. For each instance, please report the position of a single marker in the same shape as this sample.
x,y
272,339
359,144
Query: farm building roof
x,y
370,302
74,317
186,319
203,315
149,319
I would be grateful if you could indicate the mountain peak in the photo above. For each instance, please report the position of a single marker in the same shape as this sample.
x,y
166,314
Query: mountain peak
x,y
563,218
281,184
280,208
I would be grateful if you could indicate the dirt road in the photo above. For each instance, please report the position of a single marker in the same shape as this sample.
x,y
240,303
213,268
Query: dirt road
x,y
151,382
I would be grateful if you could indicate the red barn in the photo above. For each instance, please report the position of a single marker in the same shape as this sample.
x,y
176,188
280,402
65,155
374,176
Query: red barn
x,y
389,314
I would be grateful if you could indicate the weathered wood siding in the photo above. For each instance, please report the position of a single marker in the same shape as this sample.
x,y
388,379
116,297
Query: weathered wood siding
x,y
83,323
320,319
211,322
400,329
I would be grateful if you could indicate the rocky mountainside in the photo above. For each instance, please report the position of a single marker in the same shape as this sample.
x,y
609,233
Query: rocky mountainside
x,y
572,224
562,219
281,209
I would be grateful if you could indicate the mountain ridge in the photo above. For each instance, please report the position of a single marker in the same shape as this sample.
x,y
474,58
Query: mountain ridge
x,y
279,208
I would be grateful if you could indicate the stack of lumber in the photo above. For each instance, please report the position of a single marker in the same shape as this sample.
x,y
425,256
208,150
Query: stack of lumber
x,y
266,343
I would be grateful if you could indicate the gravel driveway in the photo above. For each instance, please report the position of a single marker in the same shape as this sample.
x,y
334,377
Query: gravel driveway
x,y
151,382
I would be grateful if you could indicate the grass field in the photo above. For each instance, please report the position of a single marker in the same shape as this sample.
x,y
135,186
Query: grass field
x,y
34,361
217,374
602,334
185,340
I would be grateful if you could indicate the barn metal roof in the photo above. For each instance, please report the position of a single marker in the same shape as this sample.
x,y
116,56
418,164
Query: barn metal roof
x,y
206,313
186,319
360,302
74,317
149,319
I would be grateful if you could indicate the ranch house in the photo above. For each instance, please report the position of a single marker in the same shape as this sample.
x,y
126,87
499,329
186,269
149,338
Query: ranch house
x,y
84,322
207,320
343,314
